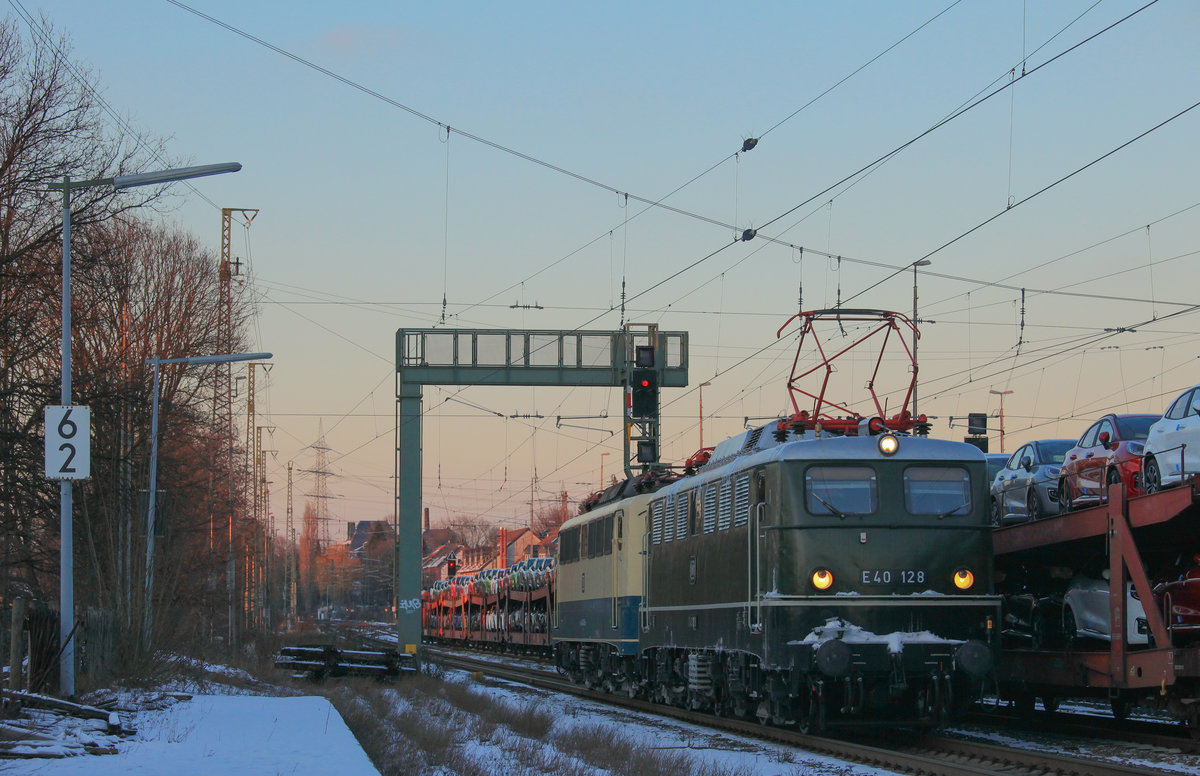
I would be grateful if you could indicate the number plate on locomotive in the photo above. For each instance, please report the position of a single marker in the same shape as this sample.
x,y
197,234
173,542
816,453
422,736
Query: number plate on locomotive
x,y
893,576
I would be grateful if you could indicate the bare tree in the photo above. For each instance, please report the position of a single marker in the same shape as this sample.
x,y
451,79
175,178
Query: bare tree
x,y
153,293
140,292
473,531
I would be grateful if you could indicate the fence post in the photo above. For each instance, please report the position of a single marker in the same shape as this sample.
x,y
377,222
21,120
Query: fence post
x,y
16,642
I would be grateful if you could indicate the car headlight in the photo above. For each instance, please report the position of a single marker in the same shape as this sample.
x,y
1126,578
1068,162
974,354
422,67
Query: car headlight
x,y
1136,448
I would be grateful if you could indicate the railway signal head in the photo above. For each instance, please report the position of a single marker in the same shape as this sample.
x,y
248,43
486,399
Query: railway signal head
x,y
643,390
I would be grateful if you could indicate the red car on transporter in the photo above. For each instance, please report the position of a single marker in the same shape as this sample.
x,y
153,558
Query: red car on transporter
x,y
1109,451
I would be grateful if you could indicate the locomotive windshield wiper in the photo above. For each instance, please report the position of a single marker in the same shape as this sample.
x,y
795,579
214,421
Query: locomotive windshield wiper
x,y
952,511
829,506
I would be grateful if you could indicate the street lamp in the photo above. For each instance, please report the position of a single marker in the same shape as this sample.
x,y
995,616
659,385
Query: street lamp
x,y
66,595
157,362
702,386
916,369
1001,394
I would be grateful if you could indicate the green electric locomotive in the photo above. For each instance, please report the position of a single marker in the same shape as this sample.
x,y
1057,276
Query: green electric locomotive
x,y
821,579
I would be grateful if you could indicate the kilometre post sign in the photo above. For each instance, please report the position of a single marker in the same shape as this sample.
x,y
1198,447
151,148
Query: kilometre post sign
x,y
68,442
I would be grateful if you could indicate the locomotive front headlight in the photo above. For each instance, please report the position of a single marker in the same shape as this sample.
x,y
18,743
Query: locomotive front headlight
x,y
889,444
822,579
964,579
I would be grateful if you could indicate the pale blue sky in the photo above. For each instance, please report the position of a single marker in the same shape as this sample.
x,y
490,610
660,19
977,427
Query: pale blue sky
x,y
643,97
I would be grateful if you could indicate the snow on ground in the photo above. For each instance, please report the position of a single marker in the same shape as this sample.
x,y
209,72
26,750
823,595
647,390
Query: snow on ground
x,y
224,735
712,751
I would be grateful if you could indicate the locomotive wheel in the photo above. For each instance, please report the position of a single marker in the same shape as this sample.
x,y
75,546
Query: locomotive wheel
x,y
1151,475
1033,507
1050,704
1120,707
1023,704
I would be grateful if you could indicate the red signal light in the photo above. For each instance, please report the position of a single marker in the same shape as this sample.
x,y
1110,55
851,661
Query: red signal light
x,y
645,383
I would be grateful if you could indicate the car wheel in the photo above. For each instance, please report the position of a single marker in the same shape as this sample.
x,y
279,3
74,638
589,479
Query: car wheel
x,y
1151,475
1070,628
995,512
1040,638
1064,496
1033,507
1113,478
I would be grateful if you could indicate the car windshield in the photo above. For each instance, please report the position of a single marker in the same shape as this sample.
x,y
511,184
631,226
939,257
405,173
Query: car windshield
x,y
1136,426
1055,451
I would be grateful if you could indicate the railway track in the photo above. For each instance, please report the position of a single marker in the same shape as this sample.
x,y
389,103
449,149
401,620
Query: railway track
x,y
1084,726
926,753
923,754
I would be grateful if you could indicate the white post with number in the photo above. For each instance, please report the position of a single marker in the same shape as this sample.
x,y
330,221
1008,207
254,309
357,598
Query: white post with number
x,y
68,442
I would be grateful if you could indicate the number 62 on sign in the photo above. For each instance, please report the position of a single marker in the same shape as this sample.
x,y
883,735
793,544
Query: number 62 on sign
x,y
68,442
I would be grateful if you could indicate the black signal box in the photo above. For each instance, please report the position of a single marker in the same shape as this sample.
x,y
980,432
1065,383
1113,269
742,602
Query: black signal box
x,y
643,390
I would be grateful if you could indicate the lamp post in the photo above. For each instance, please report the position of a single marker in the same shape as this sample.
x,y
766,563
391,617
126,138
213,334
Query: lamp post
x,y
916,369
702,385
1001,394
602,470
66,589
157,362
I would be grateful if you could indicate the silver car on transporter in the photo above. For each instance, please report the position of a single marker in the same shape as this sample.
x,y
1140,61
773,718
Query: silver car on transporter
x,y
1026,488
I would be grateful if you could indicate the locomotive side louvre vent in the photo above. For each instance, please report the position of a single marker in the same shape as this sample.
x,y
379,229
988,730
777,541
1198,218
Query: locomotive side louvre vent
x,y
710,507
683,503
725,508
668,522
741,499
656,522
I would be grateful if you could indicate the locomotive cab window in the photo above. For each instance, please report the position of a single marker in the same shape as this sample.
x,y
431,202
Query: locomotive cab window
x,y
937,490
568,546
841,490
